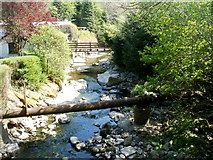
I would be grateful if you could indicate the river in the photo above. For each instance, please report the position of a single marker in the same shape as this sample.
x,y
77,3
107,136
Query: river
x,y
83,124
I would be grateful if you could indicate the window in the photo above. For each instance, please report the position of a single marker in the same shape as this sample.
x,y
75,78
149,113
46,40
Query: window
x,y
12,48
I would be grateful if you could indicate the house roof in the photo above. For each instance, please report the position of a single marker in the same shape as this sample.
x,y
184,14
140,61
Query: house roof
x,y
58,23
54,23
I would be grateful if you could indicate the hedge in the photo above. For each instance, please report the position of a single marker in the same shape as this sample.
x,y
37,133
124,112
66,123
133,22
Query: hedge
x,y
26,69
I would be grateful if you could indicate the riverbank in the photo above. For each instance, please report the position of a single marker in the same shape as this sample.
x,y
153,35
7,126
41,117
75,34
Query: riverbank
x,y
116,135
25,129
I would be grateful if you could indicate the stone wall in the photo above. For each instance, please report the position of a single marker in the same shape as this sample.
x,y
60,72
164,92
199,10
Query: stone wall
x,y
5,78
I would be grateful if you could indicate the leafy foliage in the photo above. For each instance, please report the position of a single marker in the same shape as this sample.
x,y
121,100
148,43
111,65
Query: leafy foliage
x,y
188,133
63,10
26,69
86,36
182,54
51,46
70,29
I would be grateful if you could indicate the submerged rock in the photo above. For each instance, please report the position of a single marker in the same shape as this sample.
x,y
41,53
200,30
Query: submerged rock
x,y
80,146
11,147
74,140
63,120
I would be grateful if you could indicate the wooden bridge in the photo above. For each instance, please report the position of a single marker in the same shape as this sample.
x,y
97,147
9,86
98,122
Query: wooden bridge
x,y
89,47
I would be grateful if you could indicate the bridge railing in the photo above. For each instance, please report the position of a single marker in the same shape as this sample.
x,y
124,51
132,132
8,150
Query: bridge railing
x,y
88,46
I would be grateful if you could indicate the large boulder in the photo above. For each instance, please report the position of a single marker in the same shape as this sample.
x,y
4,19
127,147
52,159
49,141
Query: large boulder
x,y
109,78
30,102
13,100
114,81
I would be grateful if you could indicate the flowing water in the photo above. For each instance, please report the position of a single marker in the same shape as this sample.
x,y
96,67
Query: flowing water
x,y
81,124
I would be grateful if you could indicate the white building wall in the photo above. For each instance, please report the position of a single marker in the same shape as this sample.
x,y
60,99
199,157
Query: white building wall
x,y
4,49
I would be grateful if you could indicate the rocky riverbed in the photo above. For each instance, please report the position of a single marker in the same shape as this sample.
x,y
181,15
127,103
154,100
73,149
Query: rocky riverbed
x,y
119,137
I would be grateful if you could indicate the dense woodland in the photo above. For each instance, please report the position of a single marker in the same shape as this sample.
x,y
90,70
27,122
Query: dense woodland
x,y
169,45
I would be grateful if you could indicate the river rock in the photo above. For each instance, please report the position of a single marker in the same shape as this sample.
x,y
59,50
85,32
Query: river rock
x,y
154,154
95,64
44,131
15,133
14,100
105,97
98,139
104,77
105,130
74,140
114,91
94,150
24,136
11,147
30,102
51,126
42,103
70,90
42,124
97,124
63,120
128,141
126,125
33,95
172,154
116,116
128,151
52,133
119,141
114,81
148,147
80,146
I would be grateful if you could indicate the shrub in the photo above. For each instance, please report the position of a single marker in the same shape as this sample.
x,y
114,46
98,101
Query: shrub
x,y
86,36
26,69
70,29
51,46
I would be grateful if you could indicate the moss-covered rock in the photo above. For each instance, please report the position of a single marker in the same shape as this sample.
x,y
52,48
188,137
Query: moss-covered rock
x,y
114,81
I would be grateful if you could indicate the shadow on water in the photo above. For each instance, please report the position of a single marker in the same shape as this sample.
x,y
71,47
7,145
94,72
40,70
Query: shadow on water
x,y
80,126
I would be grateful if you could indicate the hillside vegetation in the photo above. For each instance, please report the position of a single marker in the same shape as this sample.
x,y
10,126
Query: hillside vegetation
x,y
169,45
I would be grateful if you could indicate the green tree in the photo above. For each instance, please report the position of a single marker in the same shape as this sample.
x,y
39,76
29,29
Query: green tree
x,y
63,10
131,39
51,46
182,54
